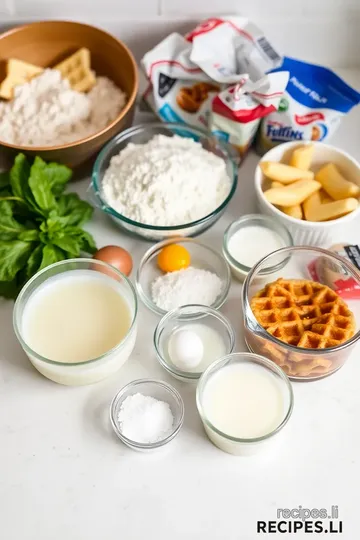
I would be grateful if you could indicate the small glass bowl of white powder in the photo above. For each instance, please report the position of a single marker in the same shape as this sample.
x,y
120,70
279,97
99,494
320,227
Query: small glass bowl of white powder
x,y
206,281
146,414
249,239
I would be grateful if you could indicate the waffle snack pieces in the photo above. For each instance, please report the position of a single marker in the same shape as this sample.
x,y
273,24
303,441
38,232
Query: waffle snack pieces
x,y
304,314
17,72
77,69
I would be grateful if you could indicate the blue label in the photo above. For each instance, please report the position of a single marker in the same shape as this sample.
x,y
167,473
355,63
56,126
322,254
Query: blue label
x,y
169,115
317,87
221,135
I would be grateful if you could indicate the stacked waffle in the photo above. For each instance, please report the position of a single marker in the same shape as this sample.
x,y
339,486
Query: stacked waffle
x,y
304,314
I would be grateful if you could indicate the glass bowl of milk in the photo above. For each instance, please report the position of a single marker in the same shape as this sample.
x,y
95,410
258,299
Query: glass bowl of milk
x,y
190,338
76,321
244,401
249,239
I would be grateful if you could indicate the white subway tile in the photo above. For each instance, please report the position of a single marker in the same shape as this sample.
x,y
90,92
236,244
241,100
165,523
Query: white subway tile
x,y
106,9
254,8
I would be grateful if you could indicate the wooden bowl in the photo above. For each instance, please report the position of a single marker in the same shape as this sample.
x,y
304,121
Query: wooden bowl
x,y
47,43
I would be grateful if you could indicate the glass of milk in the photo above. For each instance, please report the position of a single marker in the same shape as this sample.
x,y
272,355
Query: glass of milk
x,y
244,401
248,239
76,321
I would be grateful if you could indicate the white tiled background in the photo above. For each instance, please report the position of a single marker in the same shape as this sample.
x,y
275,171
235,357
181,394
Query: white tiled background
x,y
326,31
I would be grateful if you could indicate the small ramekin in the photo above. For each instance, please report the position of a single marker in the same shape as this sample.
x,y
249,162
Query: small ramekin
x,y
182,317
158,390
308,232
238,270
234,445
202,256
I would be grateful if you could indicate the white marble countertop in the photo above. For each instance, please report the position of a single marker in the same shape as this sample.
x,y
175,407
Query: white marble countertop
x,y
64,474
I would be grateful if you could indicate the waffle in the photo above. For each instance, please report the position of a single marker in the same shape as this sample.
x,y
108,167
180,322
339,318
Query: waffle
x,y
17,72
304,314
77,69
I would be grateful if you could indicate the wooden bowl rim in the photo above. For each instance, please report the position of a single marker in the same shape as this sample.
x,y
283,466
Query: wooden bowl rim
x,y
120,116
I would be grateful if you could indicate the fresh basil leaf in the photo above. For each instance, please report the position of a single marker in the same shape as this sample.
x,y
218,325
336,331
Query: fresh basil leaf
x,y
19,181
13,256
9,227
31,235
58,176
19,175
4,179
88,243
50,255
40,186
70,244
9,289
77,210
54,223
34,261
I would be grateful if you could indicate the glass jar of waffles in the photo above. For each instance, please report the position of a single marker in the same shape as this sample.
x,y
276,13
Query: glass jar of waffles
x,y
297,316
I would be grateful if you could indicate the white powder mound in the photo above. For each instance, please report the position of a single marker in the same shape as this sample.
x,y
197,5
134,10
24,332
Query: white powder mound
x,y
167,181
186,286
47,112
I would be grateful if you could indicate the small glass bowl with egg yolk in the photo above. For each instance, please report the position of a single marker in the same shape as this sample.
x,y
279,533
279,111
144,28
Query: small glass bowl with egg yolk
x,y
190,338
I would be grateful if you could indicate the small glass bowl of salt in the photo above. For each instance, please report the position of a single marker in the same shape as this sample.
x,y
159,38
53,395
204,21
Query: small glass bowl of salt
x,y
146,414
250,238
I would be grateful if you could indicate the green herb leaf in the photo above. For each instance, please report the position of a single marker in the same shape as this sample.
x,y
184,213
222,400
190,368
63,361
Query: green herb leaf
x,y
85,239
19,181
58,176
9,227
13,256
34,261
19,174
50,255
77,210
31,235
40,186
68,243
88,243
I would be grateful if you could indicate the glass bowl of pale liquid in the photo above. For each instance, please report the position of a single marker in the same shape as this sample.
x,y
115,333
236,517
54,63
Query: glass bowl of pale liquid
x,y
244,401
76,321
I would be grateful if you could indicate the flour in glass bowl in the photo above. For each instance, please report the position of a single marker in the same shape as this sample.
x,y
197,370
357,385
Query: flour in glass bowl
x,y
165,182
47,112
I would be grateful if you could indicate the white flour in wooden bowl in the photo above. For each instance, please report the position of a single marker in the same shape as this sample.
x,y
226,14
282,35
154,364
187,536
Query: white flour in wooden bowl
x,y
165,182
47,112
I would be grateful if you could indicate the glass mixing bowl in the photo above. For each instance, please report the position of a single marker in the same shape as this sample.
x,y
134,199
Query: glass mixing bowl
x,y
301,263
96,369
140,135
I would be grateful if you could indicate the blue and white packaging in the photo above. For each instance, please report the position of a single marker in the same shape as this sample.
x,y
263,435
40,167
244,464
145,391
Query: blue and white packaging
x,y
314,102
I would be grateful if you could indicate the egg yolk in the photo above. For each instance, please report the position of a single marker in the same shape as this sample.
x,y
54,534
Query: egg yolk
x,y
173,257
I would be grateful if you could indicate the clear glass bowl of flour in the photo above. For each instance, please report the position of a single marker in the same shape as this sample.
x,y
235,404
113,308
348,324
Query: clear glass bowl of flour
x,y
202,258
141,135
